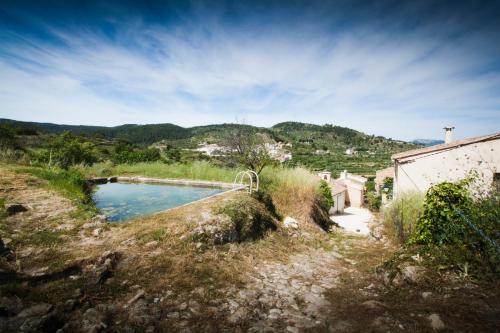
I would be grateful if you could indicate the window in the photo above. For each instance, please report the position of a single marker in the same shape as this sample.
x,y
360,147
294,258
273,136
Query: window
x,y
496,182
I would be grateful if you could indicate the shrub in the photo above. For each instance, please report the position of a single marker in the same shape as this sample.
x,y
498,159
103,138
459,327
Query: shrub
x,y
440,221
67,150
326,192
459,230
136,156
267,201
8,138
250,218
370,185
374,201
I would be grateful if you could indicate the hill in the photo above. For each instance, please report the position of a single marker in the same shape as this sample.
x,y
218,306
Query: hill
x,y
319,147
427,142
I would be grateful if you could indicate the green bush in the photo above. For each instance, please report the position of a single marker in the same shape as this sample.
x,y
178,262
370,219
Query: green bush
x,y
441,221
67,150
136,156
250,218
374,201
326,191
459,230
8,137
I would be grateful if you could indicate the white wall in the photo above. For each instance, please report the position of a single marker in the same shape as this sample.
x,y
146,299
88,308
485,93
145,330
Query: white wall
x,y
423,171
338,204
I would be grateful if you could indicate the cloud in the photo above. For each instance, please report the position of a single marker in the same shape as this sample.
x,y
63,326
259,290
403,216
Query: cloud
x,y
401,84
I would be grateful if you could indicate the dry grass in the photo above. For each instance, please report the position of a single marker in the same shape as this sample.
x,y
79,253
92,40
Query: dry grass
x,y
292,190
401,216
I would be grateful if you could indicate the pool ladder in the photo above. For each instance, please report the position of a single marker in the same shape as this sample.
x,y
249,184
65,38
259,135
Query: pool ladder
x,y
240,177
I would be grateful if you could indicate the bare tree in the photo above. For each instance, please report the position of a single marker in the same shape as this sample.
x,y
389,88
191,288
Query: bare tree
x,y
248,147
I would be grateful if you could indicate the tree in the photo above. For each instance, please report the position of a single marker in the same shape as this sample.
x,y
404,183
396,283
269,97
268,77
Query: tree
x,y
248,147
8,138
67,150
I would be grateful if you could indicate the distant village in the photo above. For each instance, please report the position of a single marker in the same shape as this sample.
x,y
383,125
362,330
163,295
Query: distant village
x,y
278,151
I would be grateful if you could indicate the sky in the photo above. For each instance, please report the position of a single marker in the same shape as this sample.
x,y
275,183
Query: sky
x,y
399,69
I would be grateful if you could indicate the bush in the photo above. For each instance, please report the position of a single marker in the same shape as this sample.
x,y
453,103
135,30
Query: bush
x,y
374,201
401,216
326,192
459,230
137,156
250,218
440,222
67,150
8,138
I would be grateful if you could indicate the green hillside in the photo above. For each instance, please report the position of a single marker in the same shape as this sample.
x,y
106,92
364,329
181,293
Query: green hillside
x,y
314,146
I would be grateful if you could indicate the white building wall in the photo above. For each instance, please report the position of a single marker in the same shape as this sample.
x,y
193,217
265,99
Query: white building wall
x,y
338,204
420,172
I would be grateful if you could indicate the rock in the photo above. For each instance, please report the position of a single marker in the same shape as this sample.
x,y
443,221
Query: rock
x,y
238,316
292,329
183,306
194,306
97,232
37,310
412,274
104,267
426,294
290,223
77,293
151,244
139,294
6,252
13,209
173,315
374,305
11,305
436,322
99,219
93,321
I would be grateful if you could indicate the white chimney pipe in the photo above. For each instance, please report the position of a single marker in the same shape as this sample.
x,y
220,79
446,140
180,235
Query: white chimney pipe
x,y
448,134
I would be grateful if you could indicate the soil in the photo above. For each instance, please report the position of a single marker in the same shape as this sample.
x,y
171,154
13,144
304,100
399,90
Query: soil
x,y
148,275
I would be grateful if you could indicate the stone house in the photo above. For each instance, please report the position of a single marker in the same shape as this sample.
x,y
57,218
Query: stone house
x,y
419,169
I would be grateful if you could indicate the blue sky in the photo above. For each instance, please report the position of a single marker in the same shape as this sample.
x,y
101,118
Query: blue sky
x,y
393,68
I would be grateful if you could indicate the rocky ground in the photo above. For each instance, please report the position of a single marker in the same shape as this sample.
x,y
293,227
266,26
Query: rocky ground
x,y
66,271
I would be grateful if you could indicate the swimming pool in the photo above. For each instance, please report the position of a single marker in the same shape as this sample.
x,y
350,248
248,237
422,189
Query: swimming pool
x,y
124,201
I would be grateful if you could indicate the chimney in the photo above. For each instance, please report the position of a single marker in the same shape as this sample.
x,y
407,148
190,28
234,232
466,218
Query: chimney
x,y
448,134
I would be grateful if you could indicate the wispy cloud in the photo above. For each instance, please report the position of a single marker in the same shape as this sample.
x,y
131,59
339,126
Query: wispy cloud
x,y
382,81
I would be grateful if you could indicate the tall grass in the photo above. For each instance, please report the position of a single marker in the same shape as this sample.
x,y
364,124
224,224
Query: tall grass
x,y
71,183
401,216
293,190
197,170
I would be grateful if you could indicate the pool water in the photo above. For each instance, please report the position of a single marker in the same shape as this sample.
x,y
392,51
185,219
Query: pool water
x,y
123,201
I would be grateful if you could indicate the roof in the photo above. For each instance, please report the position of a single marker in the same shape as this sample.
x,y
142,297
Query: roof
x,y
445,146
337,188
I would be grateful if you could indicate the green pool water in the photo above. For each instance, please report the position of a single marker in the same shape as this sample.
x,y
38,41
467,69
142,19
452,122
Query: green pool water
x,y
124,201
